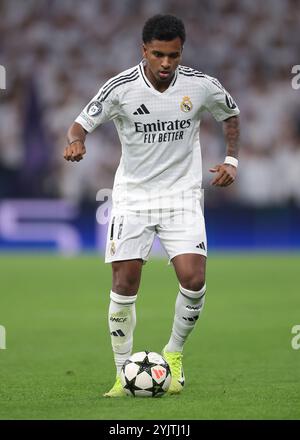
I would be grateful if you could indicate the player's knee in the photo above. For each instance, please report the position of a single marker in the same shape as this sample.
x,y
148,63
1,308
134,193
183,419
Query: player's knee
x,y
193,282
126,284
125,287
126,277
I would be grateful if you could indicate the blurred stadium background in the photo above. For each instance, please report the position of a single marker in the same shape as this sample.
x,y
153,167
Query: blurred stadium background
x,y
57,55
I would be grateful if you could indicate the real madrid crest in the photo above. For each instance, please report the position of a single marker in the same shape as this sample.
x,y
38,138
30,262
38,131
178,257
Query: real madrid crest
x,y
112,248
186,104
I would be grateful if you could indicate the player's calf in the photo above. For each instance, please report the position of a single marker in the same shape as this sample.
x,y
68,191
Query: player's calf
x,y
126,276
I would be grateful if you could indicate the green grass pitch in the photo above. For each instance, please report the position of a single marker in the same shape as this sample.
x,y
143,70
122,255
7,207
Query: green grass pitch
x,y
238,362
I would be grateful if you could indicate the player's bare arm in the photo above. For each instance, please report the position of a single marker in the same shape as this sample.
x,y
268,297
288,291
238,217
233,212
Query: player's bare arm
x,y
76,149
226,173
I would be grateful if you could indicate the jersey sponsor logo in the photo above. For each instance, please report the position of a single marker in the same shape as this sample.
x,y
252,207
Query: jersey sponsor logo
x,y
142,110
162,126
95,108
162,131
201,246
186,104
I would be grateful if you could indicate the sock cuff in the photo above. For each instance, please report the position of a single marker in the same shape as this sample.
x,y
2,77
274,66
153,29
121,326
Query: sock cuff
x,y
122,299
198,294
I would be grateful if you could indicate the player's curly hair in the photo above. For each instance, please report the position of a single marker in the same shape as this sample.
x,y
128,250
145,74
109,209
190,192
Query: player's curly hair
x,y
163,27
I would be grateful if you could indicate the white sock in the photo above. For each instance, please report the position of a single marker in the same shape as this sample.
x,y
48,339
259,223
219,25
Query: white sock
x,y
121,320
189,305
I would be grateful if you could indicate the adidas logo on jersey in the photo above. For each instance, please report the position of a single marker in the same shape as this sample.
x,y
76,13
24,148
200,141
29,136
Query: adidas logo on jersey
x,y
201,246
142,110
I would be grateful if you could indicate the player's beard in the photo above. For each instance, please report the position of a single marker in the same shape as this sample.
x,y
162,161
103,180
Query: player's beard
x,y
154,74
160,78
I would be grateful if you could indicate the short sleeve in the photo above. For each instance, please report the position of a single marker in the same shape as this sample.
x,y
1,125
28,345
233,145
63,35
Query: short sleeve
x,y
218,101
98,111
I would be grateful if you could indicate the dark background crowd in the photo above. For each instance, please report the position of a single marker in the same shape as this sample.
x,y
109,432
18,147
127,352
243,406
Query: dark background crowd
x,y
57,54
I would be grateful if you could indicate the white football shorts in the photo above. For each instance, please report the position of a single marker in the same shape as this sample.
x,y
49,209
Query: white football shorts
x,y
131,234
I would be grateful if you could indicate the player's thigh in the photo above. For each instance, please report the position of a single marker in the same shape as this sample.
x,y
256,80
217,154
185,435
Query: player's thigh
x,y
190,270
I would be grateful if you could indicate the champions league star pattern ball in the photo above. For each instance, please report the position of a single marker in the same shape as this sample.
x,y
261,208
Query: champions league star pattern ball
x,y
146,374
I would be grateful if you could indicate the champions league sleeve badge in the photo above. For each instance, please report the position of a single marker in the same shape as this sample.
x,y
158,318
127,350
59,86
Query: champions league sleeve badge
x,y
186,104
95,108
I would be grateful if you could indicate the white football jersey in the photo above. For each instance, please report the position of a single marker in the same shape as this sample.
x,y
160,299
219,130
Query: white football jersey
x,y
159,133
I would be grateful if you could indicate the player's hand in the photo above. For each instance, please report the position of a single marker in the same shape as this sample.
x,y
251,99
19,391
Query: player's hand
x,y
226,174
75,151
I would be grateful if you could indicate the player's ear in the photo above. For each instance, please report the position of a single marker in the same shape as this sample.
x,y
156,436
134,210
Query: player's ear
x,y
144,50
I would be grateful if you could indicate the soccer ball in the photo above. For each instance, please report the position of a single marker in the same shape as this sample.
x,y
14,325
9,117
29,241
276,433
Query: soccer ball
x,y
146,374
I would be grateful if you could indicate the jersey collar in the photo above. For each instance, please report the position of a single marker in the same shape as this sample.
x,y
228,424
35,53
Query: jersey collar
x,y
148,83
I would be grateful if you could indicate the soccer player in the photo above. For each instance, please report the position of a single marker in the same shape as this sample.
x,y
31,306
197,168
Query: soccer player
x,y
156,107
